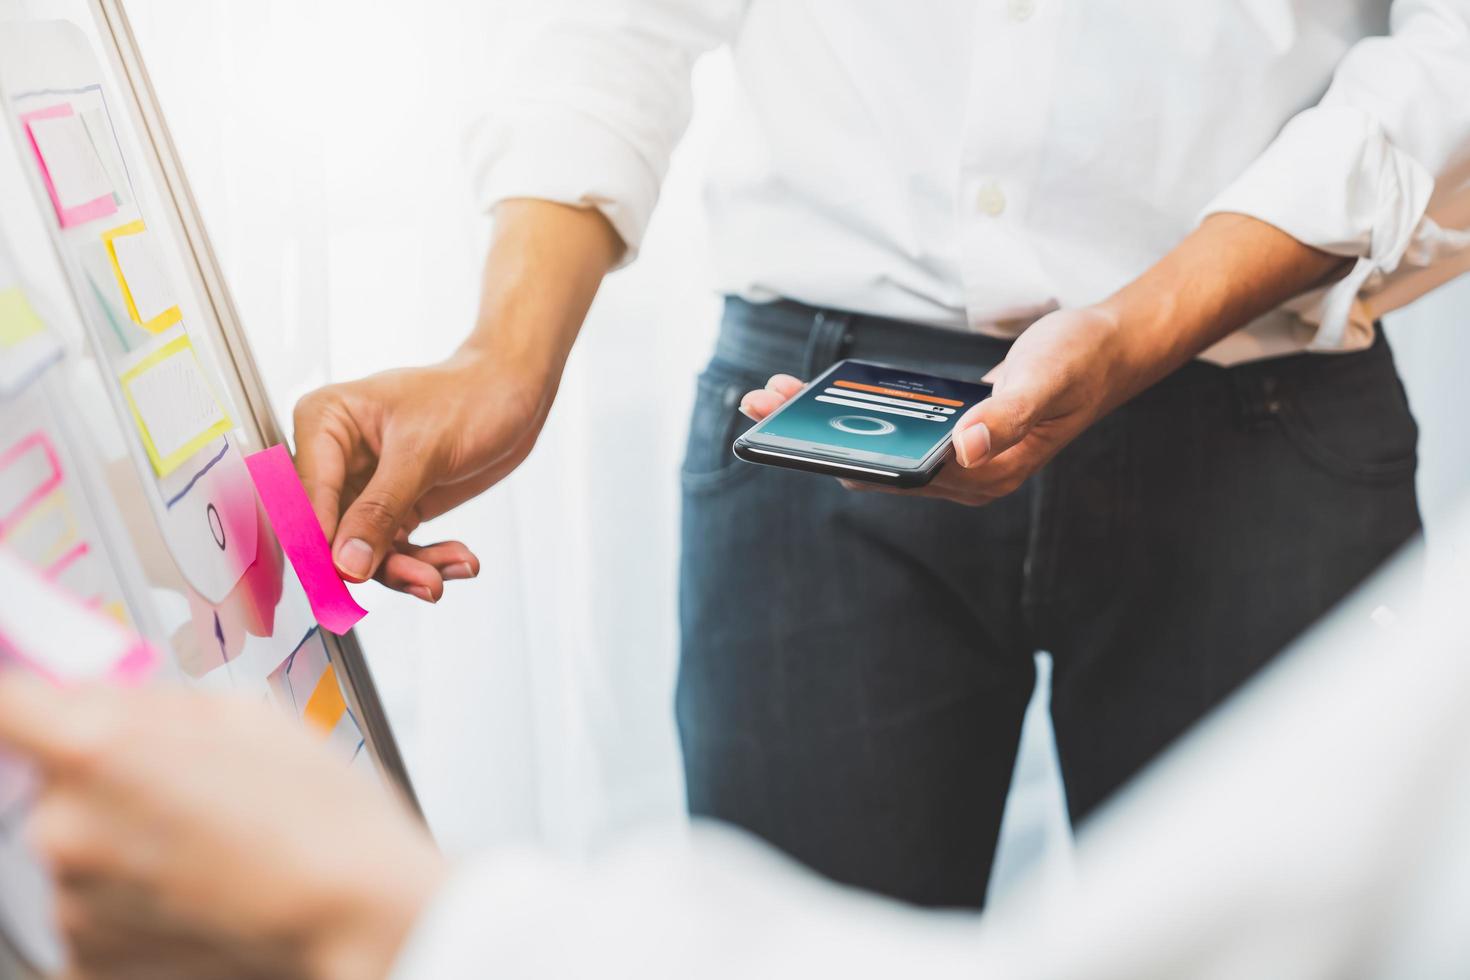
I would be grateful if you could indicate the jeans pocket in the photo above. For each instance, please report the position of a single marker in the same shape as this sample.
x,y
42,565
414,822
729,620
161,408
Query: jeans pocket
x,y
709,463
1350,417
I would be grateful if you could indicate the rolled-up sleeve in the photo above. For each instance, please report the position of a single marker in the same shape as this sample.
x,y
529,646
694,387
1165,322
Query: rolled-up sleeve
x,y
592,101
1377,169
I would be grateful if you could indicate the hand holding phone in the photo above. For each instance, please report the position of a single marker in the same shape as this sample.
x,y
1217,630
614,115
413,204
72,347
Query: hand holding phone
x,y
865,421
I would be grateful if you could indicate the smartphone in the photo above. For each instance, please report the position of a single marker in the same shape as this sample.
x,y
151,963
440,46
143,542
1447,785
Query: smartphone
x,y
865,421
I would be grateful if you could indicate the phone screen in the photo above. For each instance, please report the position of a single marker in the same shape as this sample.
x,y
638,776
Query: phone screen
x,y
883,413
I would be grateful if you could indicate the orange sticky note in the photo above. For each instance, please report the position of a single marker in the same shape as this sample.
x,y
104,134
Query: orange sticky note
x,y
325,707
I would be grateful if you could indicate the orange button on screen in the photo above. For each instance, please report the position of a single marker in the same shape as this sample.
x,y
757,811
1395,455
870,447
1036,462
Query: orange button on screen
x,y
898,393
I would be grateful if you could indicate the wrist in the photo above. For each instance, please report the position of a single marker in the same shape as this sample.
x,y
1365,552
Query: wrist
x,y
1127,349
519,380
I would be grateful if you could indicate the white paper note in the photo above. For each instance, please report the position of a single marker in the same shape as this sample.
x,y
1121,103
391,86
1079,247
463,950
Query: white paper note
x,y
105,144
143,272
40,624
76,171
174,407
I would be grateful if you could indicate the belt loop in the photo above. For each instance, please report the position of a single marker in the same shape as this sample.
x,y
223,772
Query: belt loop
x,y
828,342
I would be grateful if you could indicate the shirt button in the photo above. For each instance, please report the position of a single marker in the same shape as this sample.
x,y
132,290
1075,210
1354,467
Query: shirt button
x,y
990,199
1022,9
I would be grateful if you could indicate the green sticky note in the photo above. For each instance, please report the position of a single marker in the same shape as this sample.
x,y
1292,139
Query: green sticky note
x,y
18,319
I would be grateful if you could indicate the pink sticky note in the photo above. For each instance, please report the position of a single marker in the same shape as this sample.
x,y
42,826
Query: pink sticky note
x,y
76,214
302,539
34,448
52,633
129,670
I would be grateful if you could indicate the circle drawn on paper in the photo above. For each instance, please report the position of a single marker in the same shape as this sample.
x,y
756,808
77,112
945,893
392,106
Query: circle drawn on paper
x,y
216,526
862,425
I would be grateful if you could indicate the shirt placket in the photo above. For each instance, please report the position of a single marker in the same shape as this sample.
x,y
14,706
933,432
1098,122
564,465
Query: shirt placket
x,y
1005,129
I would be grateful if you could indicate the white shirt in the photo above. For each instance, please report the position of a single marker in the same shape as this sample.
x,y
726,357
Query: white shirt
x,y
975,163
1316,829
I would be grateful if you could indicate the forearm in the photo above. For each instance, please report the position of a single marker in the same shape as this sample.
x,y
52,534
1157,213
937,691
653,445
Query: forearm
x,y
1229,271
544,267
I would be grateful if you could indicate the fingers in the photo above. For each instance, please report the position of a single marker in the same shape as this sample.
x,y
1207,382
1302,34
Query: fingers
x,y
993,426
386,505
759,404
322,452
453,559
64,831
784,385
422,572
33,717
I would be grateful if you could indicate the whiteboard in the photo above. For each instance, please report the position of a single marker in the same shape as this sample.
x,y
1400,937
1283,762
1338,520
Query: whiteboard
x,y
126,415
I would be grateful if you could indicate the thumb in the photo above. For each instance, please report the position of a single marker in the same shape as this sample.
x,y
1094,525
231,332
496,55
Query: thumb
x,y
993,426
387,504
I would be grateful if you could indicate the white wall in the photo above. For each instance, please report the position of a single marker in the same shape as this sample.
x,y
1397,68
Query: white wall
x,y
322,138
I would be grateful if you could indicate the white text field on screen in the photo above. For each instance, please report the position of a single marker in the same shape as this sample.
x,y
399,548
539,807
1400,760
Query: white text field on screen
x,y
883,399
869,406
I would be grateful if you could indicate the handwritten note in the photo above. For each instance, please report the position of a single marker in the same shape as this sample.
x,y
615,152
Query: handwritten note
x,y
74,175
302,539
307,687
99,128
49,631
173,405
140,276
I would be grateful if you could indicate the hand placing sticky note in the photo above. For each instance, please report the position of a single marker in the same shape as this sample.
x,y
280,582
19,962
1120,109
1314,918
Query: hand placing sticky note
x,y
173,405
54,634
302,539
140,276
74,175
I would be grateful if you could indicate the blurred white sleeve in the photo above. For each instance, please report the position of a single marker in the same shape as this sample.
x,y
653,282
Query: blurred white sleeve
x,y
1317,827
715,904
1366,171
592,102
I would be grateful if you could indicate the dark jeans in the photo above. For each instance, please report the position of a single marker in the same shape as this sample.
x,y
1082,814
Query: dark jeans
x,y
855,665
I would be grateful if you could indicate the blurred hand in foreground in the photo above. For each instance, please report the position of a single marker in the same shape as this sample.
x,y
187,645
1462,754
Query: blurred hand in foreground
x,y
194,836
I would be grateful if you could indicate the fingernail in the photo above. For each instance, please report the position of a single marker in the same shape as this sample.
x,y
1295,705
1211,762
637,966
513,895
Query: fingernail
x,y
419,592
972,445
463,570
355,559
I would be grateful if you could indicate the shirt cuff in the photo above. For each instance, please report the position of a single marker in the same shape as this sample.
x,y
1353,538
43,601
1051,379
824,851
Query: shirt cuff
x,y
551,152
1334,181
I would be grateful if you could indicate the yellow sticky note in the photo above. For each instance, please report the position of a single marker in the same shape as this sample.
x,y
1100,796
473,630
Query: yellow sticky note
x,y
18,319
173,405
325,707
140,277
119,612
46,533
